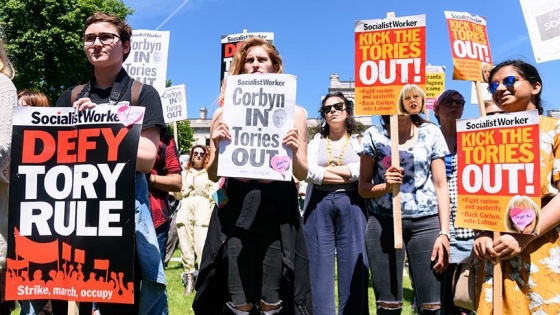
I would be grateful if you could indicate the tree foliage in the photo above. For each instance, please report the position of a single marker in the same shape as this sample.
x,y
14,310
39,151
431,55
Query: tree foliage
x,y
45,41
185,135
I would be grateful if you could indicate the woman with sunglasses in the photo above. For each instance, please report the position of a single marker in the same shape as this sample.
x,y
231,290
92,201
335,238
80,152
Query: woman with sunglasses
x,y
424,206
447,109
334,213
254,260
529,262
194,213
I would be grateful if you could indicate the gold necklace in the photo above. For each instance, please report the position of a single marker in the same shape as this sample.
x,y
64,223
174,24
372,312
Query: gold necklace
x,y
338,161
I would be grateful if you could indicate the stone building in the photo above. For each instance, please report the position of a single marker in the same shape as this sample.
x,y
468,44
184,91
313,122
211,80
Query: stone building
x,y
201,125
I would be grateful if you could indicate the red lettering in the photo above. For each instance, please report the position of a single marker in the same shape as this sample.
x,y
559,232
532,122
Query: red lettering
x,y
113,142
84,144
31,141
66,144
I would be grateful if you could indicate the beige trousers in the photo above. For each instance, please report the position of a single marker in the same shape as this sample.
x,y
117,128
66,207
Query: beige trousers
x,y
192,226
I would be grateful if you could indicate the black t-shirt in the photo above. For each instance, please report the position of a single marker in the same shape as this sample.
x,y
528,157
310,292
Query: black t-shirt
x,y
149,98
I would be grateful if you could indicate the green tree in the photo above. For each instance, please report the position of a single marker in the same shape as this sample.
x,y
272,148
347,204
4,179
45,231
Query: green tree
x,y
185,135
45,41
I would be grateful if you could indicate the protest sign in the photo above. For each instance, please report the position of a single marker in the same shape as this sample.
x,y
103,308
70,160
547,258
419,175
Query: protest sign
x,y
543,23
174,103
259,110
71,218
499,173
147,61
470,47
230,43
389,53
435,84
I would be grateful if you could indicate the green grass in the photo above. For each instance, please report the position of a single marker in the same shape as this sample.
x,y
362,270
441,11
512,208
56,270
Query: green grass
x,y
180,304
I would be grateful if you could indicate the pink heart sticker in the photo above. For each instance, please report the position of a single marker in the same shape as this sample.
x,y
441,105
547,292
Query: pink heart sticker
x,y
129,115
280,163
521,217
386,161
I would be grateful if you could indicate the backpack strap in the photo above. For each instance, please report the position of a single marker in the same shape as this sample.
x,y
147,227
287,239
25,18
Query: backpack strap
x,y
136,90
75,91
135,94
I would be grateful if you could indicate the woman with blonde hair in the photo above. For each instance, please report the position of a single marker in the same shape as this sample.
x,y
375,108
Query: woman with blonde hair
x,y
8,100
425,206
194,212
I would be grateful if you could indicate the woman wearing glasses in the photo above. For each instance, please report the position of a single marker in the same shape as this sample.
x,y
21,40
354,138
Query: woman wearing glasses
x,y
529,262
334,213
424,206
106,40
447,109
194,213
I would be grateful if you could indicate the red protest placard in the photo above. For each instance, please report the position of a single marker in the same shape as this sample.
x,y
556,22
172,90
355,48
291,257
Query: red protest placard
x,y
470,47
72,205
499,173
389,53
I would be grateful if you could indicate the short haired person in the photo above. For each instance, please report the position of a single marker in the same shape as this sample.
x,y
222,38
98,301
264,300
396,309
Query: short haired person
x,y
107,45
165,177
448,108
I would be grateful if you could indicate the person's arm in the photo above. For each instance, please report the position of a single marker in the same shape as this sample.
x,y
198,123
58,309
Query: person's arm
x,y
441,246
366,187
167,182
218,131
297,139
147,149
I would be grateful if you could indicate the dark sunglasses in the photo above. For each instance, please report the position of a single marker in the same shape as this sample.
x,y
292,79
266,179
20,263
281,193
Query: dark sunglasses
x,y
508,82
201,154
328,108
450,102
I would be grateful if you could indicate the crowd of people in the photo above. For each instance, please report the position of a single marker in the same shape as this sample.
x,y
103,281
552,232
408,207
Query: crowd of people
x,y
258,251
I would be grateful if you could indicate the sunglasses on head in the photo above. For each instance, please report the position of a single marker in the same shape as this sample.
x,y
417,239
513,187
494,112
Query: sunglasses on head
x,y
201,154
328,108
450,102
508,82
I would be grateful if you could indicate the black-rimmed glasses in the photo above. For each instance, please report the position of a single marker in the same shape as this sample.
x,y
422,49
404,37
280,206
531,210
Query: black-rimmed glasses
x,y
201,154
104,38
449,102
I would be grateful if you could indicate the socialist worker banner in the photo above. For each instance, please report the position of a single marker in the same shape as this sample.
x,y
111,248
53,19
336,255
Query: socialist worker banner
x,y
230,43
71,219
389,53
499,173
470,47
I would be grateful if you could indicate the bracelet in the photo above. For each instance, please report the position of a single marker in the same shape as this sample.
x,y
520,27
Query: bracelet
x,y
442,232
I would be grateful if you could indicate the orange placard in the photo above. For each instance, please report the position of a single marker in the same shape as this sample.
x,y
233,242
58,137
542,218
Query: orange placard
x,y
389,53
470,47
499,173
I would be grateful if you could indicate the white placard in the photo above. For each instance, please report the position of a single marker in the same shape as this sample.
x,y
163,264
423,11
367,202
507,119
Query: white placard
x,y
147,61
259,110
174,103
